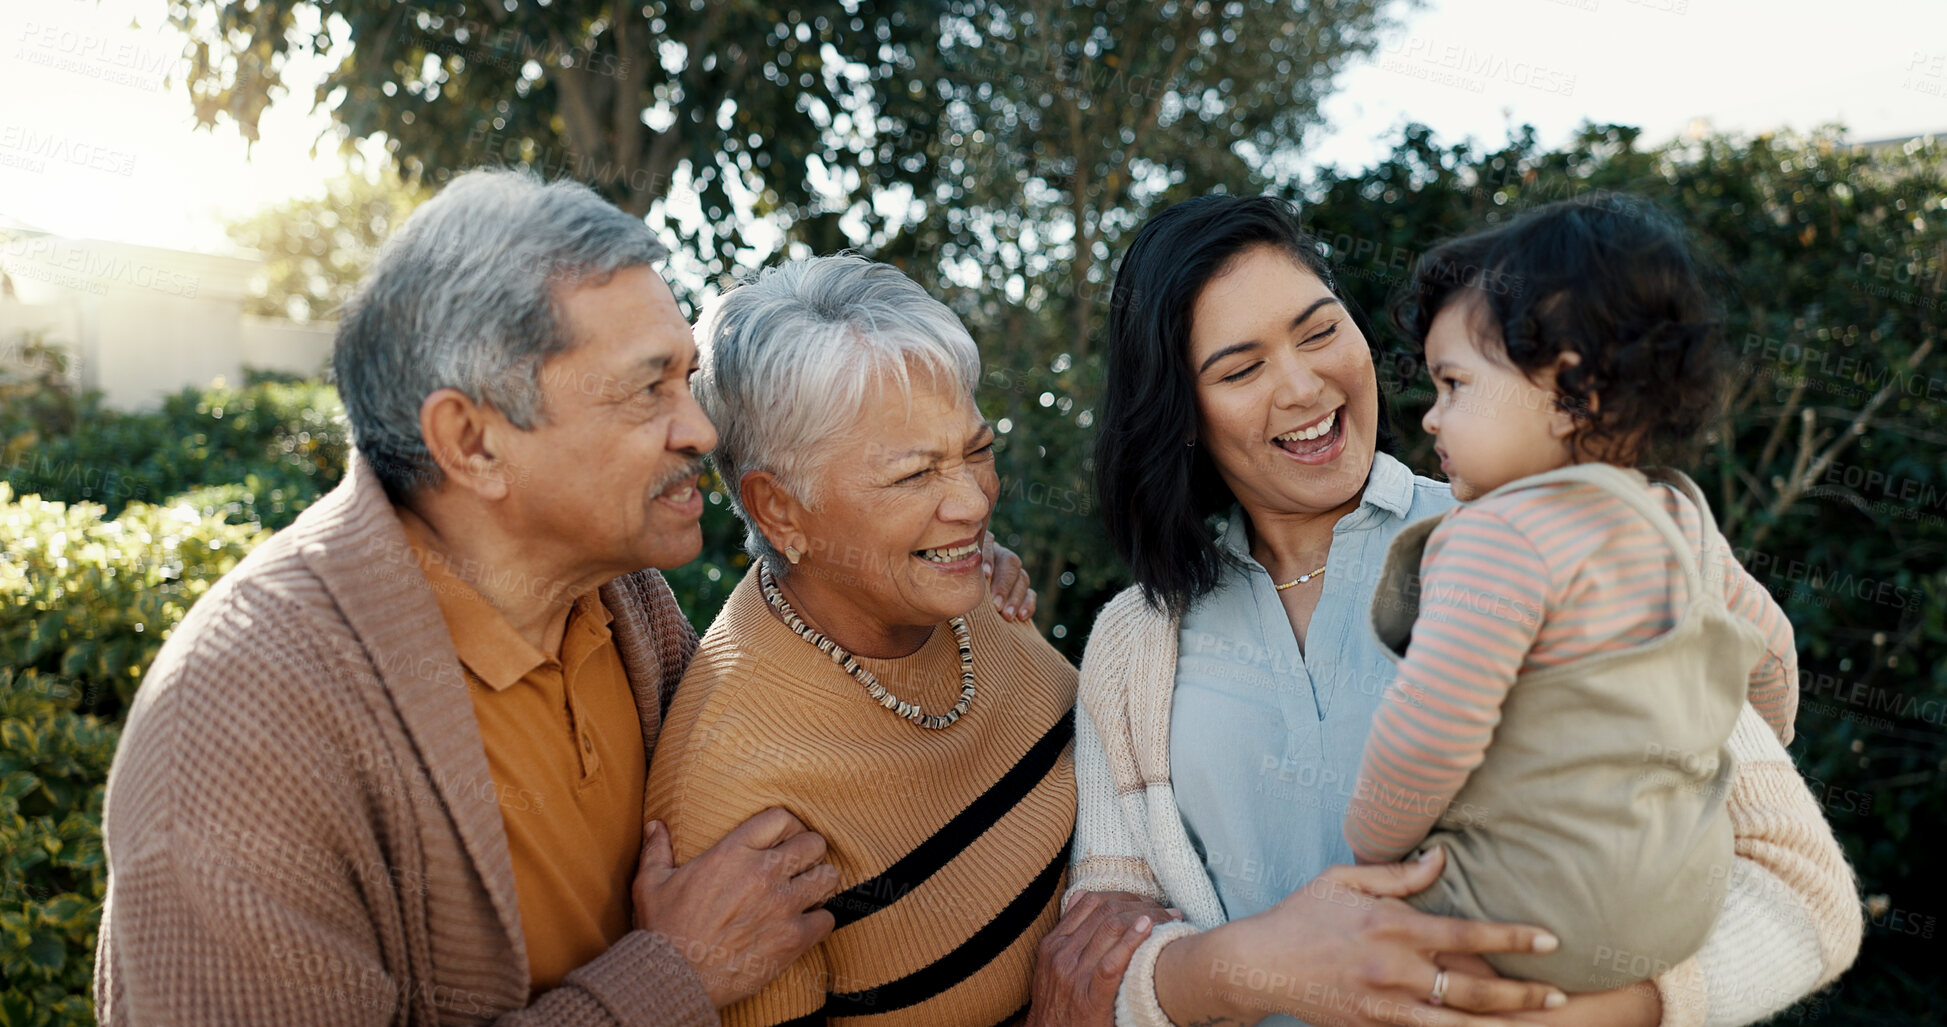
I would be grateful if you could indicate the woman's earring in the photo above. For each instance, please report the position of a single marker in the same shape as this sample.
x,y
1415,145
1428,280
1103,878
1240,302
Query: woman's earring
x,y
791,554
1192,442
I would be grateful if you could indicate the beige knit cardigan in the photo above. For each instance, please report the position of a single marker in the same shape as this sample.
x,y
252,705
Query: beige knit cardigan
x,y
301,826
1791,920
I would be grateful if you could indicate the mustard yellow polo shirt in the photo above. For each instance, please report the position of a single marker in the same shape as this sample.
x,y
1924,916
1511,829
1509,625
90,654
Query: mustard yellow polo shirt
x,y
564,746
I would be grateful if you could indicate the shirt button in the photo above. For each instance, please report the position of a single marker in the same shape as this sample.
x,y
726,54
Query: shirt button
x,y
587,744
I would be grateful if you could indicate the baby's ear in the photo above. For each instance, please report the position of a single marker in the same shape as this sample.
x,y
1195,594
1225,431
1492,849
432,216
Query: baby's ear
x,y
1569,413
1562,422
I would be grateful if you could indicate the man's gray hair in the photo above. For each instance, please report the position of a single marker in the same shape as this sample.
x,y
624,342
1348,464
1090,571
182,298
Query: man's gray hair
x,y
467,296
789,359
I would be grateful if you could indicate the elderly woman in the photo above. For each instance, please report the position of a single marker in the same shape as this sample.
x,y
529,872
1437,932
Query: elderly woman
x,y
1226,697
857,678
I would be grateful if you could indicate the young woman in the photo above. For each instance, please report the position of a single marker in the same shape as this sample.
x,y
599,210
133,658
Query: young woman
x,y
1225,699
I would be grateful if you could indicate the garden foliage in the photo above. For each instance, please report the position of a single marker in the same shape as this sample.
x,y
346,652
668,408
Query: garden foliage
x,y
1826,471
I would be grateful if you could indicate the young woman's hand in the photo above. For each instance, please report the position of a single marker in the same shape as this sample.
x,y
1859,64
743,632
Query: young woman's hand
x,y
1081,961
1344,949
1637,1005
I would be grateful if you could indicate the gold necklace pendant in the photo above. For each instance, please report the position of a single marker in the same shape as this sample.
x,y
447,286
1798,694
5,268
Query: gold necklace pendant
x,y
1301,579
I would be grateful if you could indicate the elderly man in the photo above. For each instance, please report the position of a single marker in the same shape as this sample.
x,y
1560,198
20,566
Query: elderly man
x,y
391,769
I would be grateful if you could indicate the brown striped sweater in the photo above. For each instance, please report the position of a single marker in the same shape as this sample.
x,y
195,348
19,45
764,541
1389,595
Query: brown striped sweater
x,y
952,845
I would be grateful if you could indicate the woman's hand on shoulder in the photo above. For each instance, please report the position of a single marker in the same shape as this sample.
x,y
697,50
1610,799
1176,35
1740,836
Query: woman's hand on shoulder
x,y
1007,582
1344,949
1080,964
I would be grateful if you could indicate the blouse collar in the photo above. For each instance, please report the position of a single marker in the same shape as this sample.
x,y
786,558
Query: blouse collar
x,y
1389,488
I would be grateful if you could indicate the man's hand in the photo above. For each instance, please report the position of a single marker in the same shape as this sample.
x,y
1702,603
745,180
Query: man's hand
x,y
1007,581
743,910
1080,963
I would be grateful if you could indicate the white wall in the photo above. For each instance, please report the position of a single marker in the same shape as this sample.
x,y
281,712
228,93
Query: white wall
x,y
141,322
50,320
274,344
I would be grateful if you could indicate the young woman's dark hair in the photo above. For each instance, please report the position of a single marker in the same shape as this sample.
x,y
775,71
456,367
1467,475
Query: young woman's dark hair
x,y
1156,493
1607,277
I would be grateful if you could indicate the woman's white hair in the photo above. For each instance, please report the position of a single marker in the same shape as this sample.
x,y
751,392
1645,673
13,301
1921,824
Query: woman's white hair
x,y
789,358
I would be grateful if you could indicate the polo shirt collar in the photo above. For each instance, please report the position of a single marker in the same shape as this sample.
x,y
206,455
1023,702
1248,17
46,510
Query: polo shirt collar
x,y
487,644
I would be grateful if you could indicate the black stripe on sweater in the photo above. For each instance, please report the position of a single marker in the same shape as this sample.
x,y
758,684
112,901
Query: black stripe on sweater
x,y
816,1018
963,962
876,893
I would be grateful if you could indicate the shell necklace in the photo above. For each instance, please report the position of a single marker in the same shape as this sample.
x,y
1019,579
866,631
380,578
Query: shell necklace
x,y
906,710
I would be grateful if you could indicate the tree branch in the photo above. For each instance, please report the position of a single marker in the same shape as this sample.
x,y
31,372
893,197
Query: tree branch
x,y
1154,115
577,110
1735,512
1806,470
625,113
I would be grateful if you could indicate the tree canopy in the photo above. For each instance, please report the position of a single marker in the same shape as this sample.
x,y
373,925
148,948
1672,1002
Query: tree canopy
x,y
316,250
809,113
997,150
1001,153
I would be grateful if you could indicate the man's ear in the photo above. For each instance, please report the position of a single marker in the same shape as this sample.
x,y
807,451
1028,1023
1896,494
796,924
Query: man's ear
x,y
461,436
776,511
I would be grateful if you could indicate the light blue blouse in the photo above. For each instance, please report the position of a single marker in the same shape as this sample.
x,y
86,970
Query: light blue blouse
x,y
1265,742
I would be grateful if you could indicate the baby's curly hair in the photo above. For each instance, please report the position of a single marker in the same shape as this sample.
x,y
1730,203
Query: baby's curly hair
x,y
1609,278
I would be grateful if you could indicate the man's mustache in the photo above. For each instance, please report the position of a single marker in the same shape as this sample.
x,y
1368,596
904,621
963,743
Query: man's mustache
x,y
692,470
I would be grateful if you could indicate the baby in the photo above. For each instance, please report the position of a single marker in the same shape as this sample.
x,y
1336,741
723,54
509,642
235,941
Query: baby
x,y
1576,640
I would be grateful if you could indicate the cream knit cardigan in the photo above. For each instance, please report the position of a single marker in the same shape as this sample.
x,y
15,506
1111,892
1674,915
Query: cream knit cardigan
x,y
1791,921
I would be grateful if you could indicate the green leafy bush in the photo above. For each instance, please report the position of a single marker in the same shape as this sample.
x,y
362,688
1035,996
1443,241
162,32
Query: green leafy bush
x,y
85,602
285,442
53,876
1828,478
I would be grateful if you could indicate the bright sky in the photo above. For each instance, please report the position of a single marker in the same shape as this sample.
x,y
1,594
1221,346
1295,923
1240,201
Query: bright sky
x,y
93,143
1474,67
